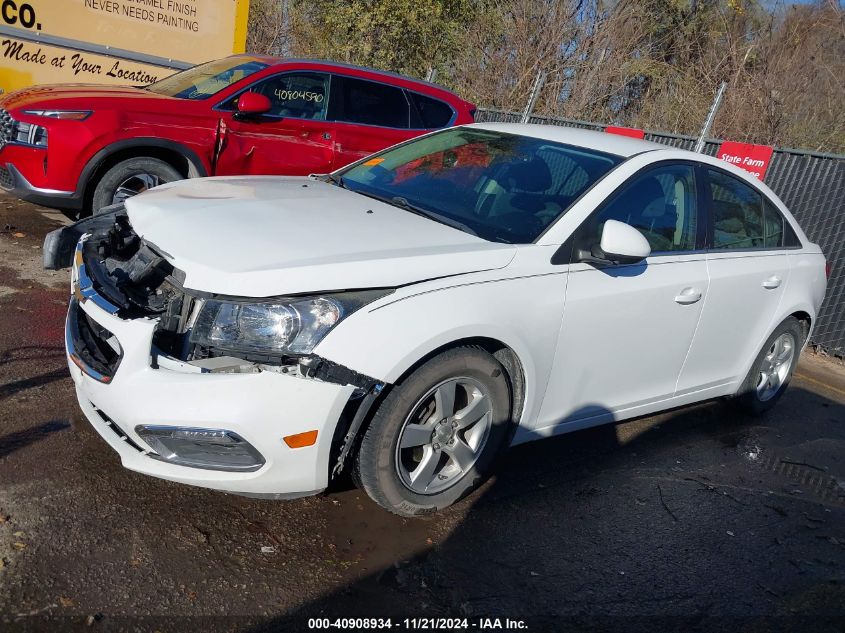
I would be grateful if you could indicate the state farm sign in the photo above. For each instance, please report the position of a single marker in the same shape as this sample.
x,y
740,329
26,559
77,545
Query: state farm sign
x,y
752,158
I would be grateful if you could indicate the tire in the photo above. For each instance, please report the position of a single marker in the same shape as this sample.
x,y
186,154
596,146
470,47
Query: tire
x,y
756,396
137,173
415,407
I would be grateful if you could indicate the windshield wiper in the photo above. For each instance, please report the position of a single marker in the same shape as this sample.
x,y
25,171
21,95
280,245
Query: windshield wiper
x,y
403,203
335,180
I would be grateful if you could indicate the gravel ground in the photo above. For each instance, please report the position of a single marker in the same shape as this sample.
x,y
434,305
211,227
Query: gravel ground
x,y
697,519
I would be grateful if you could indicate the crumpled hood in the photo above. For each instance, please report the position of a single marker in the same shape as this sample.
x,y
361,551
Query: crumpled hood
x,y
262,236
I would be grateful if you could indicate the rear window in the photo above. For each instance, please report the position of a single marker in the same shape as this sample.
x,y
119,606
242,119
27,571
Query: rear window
x,y
428,113
368,102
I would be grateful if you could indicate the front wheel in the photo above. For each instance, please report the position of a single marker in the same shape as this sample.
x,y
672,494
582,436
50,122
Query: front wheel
x,y
773,368
435,437
129,178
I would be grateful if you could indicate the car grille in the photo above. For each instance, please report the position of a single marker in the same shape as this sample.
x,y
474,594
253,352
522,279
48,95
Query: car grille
x,y
7,127
91,344
6,179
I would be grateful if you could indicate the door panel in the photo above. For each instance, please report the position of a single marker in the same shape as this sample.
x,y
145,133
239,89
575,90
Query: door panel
x,y
624,337
354,142
745,290
286,146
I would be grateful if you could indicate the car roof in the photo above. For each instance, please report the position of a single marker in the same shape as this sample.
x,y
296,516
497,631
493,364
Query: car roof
x,y
282,61
617,144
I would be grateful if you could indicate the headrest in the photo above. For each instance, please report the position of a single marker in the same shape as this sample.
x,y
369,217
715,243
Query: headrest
x,y
530,175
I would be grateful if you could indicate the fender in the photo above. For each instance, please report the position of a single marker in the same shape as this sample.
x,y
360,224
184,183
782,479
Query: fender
x,y
196,163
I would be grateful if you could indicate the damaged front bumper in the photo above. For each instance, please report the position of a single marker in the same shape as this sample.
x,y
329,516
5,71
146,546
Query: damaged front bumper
x,y
126,383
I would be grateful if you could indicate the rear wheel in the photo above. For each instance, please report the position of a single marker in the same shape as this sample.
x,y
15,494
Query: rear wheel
x,y
129,178
773,368
436,435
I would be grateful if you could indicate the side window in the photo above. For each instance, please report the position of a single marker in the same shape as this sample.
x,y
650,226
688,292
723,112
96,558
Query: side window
x,y
368,102
293,95
660,203
738,214
772,225
428,113
778,232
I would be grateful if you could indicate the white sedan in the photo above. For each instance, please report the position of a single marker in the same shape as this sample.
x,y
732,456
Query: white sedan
x,y
411,316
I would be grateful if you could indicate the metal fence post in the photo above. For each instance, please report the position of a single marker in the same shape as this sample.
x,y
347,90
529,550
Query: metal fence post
x,y
705,131
532,98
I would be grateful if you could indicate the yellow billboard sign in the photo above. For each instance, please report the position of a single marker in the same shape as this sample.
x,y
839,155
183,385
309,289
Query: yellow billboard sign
x,y
113,41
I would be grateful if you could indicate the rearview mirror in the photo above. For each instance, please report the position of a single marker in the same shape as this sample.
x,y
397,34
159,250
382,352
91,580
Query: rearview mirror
x,y
620,244
252,104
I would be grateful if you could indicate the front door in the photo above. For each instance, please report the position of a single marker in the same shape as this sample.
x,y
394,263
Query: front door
x,y
626,329
292,139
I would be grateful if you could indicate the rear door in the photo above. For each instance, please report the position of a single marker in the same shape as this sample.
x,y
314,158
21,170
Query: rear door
x,y
293,139
749,271
627,329
369,116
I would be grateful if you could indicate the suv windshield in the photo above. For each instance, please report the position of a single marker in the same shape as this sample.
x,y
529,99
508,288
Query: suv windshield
x,y
207,79
501,187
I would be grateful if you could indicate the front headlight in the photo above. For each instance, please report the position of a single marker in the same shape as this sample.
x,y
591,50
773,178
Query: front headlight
x,y
30,134
291,326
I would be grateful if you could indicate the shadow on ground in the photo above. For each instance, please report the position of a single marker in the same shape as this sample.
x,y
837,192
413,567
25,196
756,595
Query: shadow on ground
x,y
699,519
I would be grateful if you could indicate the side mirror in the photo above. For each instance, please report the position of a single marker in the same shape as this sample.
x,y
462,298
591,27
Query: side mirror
x,y
620,244
252,104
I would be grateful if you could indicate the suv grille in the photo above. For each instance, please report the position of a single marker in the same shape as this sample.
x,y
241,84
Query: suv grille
x,y
6,180
7,127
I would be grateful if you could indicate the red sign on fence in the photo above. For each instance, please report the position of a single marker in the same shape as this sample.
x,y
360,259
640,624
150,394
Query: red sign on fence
x,y
752,158
625,131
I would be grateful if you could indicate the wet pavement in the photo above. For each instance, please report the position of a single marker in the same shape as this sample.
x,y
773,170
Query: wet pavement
x,y
697,519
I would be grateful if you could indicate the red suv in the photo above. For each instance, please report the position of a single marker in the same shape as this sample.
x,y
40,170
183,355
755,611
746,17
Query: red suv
x,y
82,147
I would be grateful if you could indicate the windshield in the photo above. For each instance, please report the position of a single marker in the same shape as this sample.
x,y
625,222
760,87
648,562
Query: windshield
x,y
207,79
501,187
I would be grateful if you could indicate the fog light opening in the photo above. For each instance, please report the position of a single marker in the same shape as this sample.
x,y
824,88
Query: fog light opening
x,y
211,449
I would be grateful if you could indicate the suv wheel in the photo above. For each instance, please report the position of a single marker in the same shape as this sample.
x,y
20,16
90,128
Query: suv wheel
x,y
436,435
130,177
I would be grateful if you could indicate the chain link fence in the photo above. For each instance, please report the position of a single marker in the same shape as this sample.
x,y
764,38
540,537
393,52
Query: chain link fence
x,y
812,185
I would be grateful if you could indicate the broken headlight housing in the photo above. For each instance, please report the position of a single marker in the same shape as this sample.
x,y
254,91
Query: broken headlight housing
x,y
281,327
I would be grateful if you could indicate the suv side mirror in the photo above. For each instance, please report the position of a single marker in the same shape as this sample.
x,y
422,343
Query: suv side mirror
x,y
620,244
252,104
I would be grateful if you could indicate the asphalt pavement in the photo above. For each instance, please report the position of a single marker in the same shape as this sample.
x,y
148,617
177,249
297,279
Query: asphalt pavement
x,y
697,519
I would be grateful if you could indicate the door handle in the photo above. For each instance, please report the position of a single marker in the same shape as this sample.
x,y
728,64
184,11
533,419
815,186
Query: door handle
x,y
327,135
772,282
688,295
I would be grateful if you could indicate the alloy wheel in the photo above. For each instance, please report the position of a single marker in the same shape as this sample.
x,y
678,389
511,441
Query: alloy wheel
x,y
444,435
775,367
134,185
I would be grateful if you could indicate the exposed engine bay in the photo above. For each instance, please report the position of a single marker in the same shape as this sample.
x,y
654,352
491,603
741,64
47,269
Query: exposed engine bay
x,y
135,277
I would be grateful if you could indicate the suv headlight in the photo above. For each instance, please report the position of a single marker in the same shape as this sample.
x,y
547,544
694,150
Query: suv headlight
x,y
30,134
275,326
